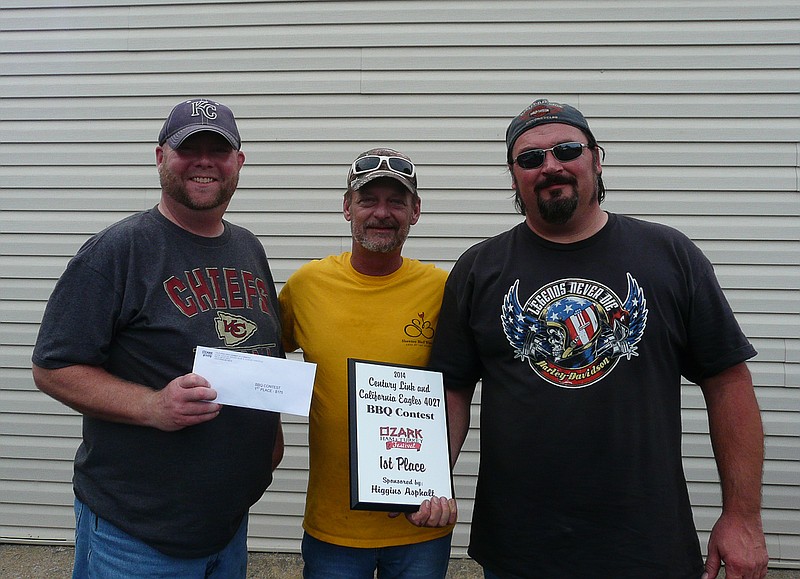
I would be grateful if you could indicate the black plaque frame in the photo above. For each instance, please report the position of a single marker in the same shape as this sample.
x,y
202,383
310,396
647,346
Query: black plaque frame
x,y
438,457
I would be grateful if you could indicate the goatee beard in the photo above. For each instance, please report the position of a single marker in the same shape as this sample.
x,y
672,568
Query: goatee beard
x,y
559,210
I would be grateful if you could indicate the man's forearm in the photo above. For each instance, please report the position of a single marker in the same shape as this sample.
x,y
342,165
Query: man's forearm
x,y
458,417
737,437
91,390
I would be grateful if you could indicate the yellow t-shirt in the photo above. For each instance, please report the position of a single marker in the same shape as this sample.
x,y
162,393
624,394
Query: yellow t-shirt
x,y
333,313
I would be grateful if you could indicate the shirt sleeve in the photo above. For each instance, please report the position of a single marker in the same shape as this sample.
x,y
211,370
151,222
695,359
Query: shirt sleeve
x,y
454,352
287,316
715,339
80,318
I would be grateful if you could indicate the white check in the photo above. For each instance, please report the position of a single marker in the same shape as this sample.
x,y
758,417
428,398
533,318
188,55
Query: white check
x,y
260,382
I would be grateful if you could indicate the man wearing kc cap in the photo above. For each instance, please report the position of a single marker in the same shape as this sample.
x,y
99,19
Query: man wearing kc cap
x,y
369,303
164,477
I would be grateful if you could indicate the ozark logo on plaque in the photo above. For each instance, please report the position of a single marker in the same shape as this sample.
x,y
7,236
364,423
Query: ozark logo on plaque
x,y
401,438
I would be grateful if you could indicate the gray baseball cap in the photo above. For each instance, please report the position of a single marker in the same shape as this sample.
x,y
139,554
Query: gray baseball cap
x,y
196,115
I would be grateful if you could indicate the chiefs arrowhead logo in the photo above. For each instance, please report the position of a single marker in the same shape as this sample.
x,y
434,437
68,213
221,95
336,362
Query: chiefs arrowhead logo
x,y
233,330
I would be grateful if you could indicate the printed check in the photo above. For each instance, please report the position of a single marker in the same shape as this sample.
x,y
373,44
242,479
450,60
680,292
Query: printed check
x,y
260,382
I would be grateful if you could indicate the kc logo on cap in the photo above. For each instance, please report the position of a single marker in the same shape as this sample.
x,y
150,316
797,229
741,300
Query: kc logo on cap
x,y
205,108
195,115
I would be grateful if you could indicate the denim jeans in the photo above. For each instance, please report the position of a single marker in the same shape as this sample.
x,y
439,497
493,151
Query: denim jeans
x,y
103,550
426,560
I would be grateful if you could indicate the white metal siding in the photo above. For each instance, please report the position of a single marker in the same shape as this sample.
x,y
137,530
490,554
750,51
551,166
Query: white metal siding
x,y
696,103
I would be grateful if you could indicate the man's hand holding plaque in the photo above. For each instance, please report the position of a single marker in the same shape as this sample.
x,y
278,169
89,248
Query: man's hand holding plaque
x,y
435,512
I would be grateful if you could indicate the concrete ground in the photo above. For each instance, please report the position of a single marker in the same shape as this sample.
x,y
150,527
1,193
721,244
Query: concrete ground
x,y
55,562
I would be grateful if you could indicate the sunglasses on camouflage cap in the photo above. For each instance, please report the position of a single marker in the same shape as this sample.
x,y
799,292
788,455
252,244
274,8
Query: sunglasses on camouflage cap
x,y
369,163
563,152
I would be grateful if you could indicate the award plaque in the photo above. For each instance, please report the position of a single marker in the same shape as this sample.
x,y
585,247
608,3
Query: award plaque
x,y
399,449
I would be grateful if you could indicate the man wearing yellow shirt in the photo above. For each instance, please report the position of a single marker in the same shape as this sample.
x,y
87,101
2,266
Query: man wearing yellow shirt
x,y
370,303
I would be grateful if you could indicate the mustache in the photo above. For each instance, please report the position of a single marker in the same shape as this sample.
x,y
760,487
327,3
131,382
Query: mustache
x,y
552,180
381,223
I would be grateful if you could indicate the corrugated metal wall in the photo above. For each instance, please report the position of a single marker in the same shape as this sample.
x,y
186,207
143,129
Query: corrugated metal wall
x,y
696,103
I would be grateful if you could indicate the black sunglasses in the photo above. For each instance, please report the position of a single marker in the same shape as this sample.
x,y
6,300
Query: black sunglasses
x,y
370,163
563,152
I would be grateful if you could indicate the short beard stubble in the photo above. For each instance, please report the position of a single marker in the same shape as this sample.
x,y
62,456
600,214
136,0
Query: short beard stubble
x,y
172,186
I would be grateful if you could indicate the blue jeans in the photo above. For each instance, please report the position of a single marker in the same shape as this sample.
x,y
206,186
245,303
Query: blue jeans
x,y
103,550
426,560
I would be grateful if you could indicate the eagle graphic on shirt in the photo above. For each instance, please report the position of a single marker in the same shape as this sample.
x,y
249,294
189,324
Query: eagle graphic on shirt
x,y
573,332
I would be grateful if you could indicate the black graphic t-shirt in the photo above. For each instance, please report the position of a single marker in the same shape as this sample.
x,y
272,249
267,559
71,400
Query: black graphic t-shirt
x,y
137,299
580,349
